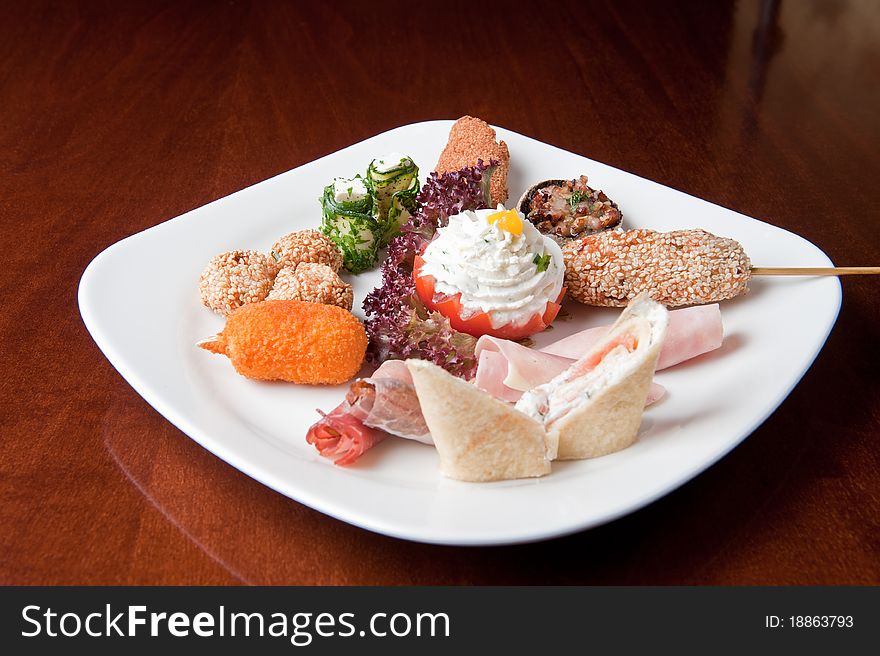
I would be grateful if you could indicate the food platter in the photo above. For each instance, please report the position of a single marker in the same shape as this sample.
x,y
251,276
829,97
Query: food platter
x,y
146,319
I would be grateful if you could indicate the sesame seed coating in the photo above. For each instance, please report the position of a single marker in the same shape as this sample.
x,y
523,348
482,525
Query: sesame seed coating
x,y
683,267
235,278
314,283
307,246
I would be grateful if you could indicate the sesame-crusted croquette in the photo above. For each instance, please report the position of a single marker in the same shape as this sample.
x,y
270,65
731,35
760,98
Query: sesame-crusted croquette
x,y
471,139
235,278
294,341
683,267
307,246
315,283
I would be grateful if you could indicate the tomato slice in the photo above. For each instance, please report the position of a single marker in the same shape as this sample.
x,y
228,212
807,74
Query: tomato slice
x,y
478,324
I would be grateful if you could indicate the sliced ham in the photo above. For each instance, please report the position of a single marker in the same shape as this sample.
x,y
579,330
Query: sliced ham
x,y
507,369
692,331
655,393
393,369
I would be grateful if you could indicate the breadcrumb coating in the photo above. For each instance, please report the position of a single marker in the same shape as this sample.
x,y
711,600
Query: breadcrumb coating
x,y
235,278
471,139
307,246
294,341
683,267
314,283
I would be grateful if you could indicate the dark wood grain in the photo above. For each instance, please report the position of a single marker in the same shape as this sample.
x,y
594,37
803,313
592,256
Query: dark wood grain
x,y
118,116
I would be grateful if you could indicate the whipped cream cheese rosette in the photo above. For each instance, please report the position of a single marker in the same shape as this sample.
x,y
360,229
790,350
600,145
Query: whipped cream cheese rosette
x,y
491,272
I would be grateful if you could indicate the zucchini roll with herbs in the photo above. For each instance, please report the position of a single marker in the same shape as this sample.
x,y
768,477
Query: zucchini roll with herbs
x,y
347,211
394,183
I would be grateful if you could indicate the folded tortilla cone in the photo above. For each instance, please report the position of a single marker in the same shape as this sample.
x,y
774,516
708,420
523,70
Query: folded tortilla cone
x,y
478,437
596,404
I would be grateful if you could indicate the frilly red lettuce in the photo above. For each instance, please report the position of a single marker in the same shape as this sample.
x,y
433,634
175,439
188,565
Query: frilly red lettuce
x,y
398,324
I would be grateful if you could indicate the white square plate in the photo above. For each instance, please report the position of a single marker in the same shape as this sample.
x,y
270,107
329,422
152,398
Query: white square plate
x,y
139,300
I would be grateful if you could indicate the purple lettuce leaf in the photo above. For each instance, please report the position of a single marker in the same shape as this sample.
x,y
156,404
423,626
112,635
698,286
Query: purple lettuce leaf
x,y
398,324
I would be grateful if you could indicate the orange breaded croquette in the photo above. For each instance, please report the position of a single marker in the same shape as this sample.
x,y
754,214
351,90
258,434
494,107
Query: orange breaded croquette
x,y
471,139
294,341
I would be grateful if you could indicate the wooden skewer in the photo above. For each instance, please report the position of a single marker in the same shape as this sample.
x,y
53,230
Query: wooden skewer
x,y
814,271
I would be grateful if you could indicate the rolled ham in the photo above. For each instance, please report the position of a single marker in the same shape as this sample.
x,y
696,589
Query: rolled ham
x,y
507,369
374,408
394,408
341,436
692,331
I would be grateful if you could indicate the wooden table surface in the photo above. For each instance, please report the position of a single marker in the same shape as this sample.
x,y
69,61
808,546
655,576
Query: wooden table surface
x,y
118,116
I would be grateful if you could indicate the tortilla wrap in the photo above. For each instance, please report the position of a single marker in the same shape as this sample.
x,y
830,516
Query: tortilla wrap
x,y
597,410
478,437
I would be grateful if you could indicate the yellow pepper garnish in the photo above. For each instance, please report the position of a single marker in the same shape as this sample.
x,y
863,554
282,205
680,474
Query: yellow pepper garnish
x,y
507,220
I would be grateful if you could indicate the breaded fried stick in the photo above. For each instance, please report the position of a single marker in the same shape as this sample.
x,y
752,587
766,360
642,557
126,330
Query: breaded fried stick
x,y
684,267
296,341
471,139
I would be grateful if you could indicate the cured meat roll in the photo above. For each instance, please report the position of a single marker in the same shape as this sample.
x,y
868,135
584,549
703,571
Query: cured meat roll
x,y
374,408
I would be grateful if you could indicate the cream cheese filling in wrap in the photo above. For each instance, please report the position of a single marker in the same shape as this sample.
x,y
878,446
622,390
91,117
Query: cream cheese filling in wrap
x,y
596,404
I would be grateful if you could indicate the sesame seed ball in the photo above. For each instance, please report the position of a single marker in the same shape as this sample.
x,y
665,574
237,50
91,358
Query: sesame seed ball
x,y
307,246
235,278
314,283
683,267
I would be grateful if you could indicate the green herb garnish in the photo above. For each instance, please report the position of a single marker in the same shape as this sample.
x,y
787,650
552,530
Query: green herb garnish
x,y
576,197
542,262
